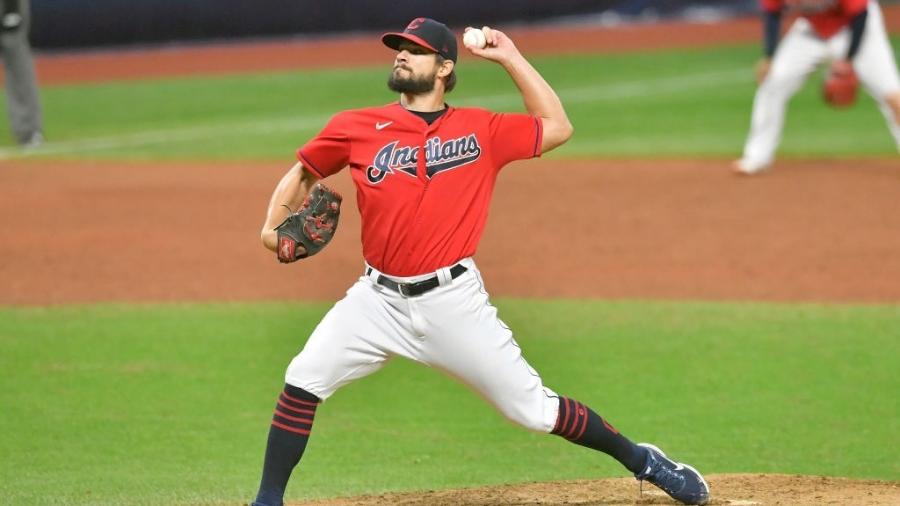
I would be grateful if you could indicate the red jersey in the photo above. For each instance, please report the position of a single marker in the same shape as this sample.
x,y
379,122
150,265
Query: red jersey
x,y
827,17
421,213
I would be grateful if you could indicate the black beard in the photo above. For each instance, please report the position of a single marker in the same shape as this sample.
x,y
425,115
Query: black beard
x,y
411,85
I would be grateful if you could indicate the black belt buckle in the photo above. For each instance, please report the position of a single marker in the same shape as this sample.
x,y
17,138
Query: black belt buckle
x,y
418,288
403,288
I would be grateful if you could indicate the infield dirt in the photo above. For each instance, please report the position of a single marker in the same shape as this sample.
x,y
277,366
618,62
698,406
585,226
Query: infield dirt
x,y
807,231
728,489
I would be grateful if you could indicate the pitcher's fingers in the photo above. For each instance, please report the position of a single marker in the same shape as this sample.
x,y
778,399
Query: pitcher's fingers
x,y
489,35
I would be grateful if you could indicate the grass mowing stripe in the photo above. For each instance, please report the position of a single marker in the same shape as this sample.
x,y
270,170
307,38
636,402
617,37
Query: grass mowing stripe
x,y
234,128
587,94
702,108
656,87
170,404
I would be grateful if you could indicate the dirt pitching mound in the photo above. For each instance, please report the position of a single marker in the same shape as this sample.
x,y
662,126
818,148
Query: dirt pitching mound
x,y
727,489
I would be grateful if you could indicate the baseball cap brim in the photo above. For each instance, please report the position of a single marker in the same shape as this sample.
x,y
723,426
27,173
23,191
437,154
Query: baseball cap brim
x,y
393,40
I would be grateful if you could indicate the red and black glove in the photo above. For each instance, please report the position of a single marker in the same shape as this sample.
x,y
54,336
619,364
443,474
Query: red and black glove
x,y
311,227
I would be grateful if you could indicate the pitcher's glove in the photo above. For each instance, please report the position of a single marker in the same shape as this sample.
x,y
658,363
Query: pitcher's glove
x,y
840,86
311,227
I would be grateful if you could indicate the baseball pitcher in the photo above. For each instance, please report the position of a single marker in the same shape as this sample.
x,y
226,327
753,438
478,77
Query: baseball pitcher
x,y
850,34
424,173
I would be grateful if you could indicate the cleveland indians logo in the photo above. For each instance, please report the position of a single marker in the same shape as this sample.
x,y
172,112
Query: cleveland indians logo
x,y
439,157
414,24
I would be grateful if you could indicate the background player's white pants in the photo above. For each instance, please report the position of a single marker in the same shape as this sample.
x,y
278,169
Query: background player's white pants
x,y
22,101
798,55
453,328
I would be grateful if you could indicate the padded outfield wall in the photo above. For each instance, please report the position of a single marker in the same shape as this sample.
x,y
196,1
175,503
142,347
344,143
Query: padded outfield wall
x,y
117,22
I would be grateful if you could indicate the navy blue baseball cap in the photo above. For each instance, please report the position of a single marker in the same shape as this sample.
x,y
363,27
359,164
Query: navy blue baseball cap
x,y
427,33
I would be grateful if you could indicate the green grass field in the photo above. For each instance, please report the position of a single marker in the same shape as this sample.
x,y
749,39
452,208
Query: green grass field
x,y
164,404
659,104
170,404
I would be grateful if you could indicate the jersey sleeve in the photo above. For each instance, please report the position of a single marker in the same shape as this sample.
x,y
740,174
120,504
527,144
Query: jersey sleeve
x,y
515,137
329,151
853,7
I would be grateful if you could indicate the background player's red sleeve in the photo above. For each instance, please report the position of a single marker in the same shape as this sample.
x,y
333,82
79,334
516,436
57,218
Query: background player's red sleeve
x,y
515,137
771,5
328,152
853,7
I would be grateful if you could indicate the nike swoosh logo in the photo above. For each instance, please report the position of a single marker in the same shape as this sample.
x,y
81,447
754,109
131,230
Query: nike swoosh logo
x,y
382,126
679,466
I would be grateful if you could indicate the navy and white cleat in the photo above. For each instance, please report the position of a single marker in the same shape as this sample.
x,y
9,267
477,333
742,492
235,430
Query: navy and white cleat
x,y
681,481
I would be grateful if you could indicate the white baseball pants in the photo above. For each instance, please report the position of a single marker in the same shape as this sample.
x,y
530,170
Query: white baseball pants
x,y
798,55
453,328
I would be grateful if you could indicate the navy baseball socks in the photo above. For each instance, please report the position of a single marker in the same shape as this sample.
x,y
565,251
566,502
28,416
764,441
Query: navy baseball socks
x,y
296,408
580,425
291,425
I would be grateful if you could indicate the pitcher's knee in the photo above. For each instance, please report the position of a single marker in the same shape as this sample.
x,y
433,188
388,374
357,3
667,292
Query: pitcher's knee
x,y
537,414
526,420
303,374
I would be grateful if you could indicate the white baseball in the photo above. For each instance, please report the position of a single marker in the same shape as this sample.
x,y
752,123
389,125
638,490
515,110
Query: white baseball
x,y
474,38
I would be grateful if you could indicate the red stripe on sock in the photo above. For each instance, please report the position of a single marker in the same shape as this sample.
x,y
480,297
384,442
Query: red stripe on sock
x,y
556,428
295,410
300,401
562,428
293,418
583,423
579,411
302,432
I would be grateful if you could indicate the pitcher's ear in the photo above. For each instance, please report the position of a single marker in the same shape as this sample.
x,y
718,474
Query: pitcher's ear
x,y
446,68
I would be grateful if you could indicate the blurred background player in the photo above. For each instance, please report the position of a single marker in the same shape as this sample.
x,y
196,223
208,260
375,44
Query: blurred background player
x,y
22,101
850,34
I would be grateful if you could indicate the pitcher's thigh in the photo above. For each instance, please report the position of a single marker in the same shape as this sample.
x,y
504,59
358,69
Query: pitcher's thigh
x,y
478,348
349,343
515,389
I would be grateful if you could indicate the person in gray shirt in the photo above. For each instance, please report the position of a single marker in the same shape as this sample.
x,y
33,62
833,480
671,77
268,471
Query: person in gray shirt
x,y
22,100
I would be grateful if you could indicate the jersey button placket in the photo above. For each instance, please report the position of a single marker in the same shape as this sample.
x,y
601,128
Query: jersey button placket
x,y
422,162
422,175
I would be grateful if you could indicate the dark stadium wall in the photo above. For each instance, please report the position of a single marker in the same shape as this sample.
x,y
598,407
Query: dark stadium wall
x,y
91,23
